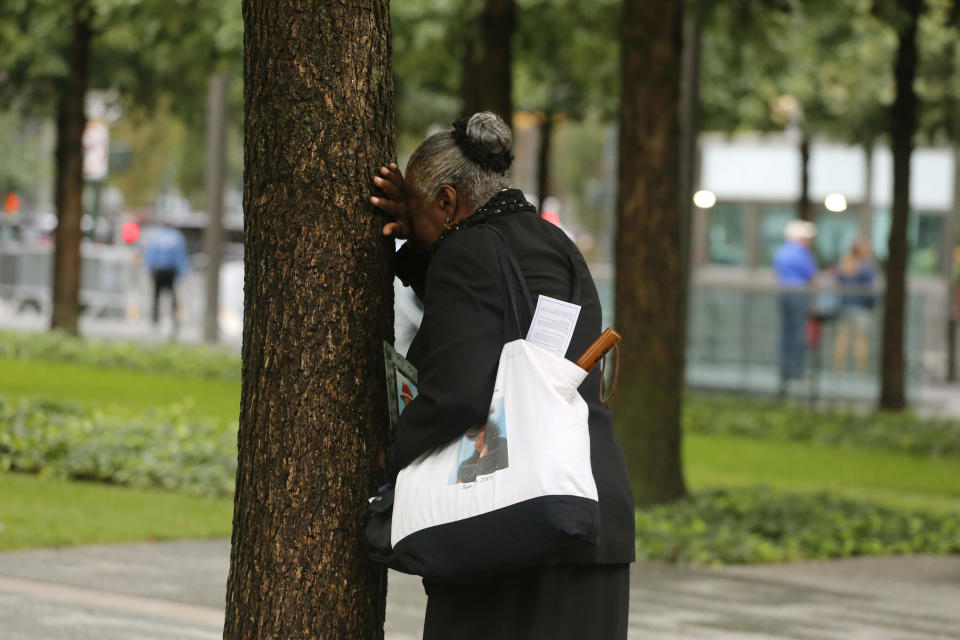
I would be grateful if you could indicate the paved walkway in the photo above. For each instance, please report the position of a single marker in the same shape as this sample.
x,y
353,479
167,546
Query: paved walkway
x,y
175,591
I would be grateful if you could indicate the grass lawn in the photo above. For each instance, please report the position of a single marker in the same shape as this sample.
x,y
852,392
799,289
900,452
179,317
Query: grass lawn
x,y
124,390
40,512
896,480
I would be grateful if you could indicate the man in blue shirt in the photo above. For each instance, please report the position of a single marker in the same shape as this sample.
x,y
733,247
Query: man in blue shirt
x,y
795,268
165,254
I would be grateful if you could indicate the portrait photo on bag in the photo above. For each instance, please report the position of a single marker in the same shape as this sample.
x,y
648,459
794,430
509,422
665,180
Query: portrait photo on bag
x,y
482,450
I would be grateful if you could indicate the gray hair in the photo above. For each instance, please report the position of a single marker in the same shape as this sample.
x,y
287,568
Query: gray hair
x,y
439,161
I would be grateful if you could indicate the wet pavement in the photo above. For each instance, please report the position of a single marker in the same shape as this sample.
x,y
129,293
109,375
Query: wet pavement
x,y
175,590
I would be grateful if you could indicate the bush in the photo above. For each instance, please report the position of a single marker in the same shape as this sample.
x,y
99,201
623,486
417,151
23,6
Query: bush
x,y
735,526
160,448
163,359
897,432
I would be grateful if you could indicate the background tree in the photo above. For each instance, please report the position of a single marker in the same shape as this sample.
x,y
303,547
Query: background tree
x,y
319,122
53,52
904,15
651,298
488,61
817,68
565,67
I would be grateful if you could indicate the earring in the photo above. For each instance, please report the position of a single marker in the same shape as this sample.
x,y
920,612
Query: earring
x,y
448,224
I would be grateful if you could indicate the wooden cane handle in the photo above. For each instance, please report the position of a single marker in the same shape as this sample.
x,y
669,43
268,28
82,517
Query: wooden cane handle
x,y
595,352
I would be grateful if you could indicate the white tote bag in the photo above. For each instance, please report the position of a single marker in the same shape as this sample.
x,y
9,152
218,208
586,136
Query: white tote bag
x,y
511,493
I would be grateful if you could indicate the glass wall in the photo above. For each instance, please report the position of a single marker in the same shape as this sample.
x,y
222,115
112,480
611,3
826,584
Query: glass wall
x,y
727,234
774,222
836,233
924,237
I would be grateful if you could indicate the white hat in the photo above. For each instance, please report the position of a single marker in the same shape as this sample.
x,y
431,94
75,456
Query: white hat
x,y
800,230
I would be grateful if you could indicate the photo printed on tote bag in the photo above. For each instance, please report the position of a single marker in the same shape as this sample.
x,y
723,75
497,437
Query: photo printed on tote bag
x,y
482,450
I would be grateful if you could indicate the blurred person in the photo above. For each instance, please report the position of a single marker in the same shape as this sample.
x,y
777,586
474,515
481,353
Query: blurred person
x,y
165,255
855,276
795,269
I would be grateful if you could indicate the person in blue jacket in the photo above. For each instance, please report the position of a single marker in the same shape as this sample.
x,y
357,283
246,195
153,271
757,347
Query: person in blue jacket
x,y
165,255
795,268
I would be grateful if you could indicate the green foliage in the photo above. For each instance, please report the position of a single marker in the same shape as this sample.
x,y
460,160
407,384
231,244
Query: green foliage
x,y
428,54
144,48
164,359
756,525
160,448
823,66
881,431
567,56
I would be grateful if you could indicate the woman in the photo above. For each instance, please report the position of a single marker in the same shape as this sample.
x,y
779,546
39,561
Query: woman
x,y
855,276
455,184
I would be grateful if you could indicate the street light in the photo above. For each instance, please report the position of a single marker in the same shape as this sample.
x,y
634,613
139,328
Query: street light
x,y
704,199
836,203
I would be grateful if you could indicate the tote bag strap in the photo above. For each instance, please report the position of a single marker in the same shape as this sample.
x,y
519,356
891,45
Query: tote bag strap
x,y
512,272
513,280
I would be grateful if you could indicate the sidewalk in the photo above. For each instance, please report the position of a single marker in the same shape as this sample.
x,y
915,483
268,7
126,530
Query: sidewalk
x,y
175,591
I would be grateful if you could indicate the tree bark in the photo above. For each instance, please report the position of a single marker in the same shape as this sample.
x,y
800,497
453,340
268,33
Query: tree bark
x,y
68,185
543,157
903,125
318,98
488,63
650,290
803,202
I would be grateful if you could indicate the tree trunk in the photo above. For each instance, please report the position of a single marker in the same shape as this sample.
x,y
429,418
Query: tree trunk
x,y
318,98
950,241
488,64
215,169
68,186
689,132
471,89
803,202
650,291
543,157
866,211
902,127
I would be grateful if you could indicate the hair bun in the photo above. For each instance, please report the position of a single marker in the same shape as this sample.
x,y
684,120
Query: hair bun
x,y
488,130
485,139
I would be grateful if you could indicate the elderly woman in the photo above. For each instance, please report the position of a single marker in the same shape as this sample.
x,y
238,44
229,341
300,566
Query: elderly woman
x,y
456,182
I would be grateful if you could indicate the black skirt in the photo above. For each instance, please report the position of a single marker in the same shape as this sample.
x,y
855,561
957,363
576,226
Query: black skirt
x,y
557,603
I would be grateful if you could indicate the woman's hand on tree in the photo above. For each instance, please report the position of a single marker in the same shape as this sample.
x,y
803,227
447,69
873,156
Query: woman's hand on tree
x,y
394,204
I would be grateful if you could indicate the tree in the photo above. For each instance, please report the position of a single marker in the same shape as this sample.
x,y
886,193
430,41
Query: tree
x,y
905,16
68,190
488,62
651,297
818,67
53,52
319,121
565,66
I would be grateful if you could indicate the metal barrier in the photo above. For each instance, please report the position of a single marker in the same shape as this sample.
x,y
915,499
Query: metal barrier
x,y
733,342
109,273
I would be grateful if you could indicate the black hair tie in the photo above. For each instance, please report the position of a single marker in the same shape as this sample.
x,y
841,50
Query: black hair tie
x,y
496,162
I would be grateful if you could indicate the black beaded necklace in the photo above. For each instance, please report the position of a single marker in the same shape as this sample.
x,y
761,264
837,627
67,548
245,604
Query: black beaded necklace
x,y
506,201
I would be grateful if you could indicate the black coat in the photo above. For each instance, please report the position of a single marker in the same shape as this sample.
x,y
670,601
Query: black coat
x,y
457,348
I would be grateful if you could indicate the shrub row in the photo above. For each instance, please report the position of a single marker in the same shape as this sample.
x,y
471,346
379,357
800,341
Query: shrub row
x,y
163,359
160,448
754,525
882,431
